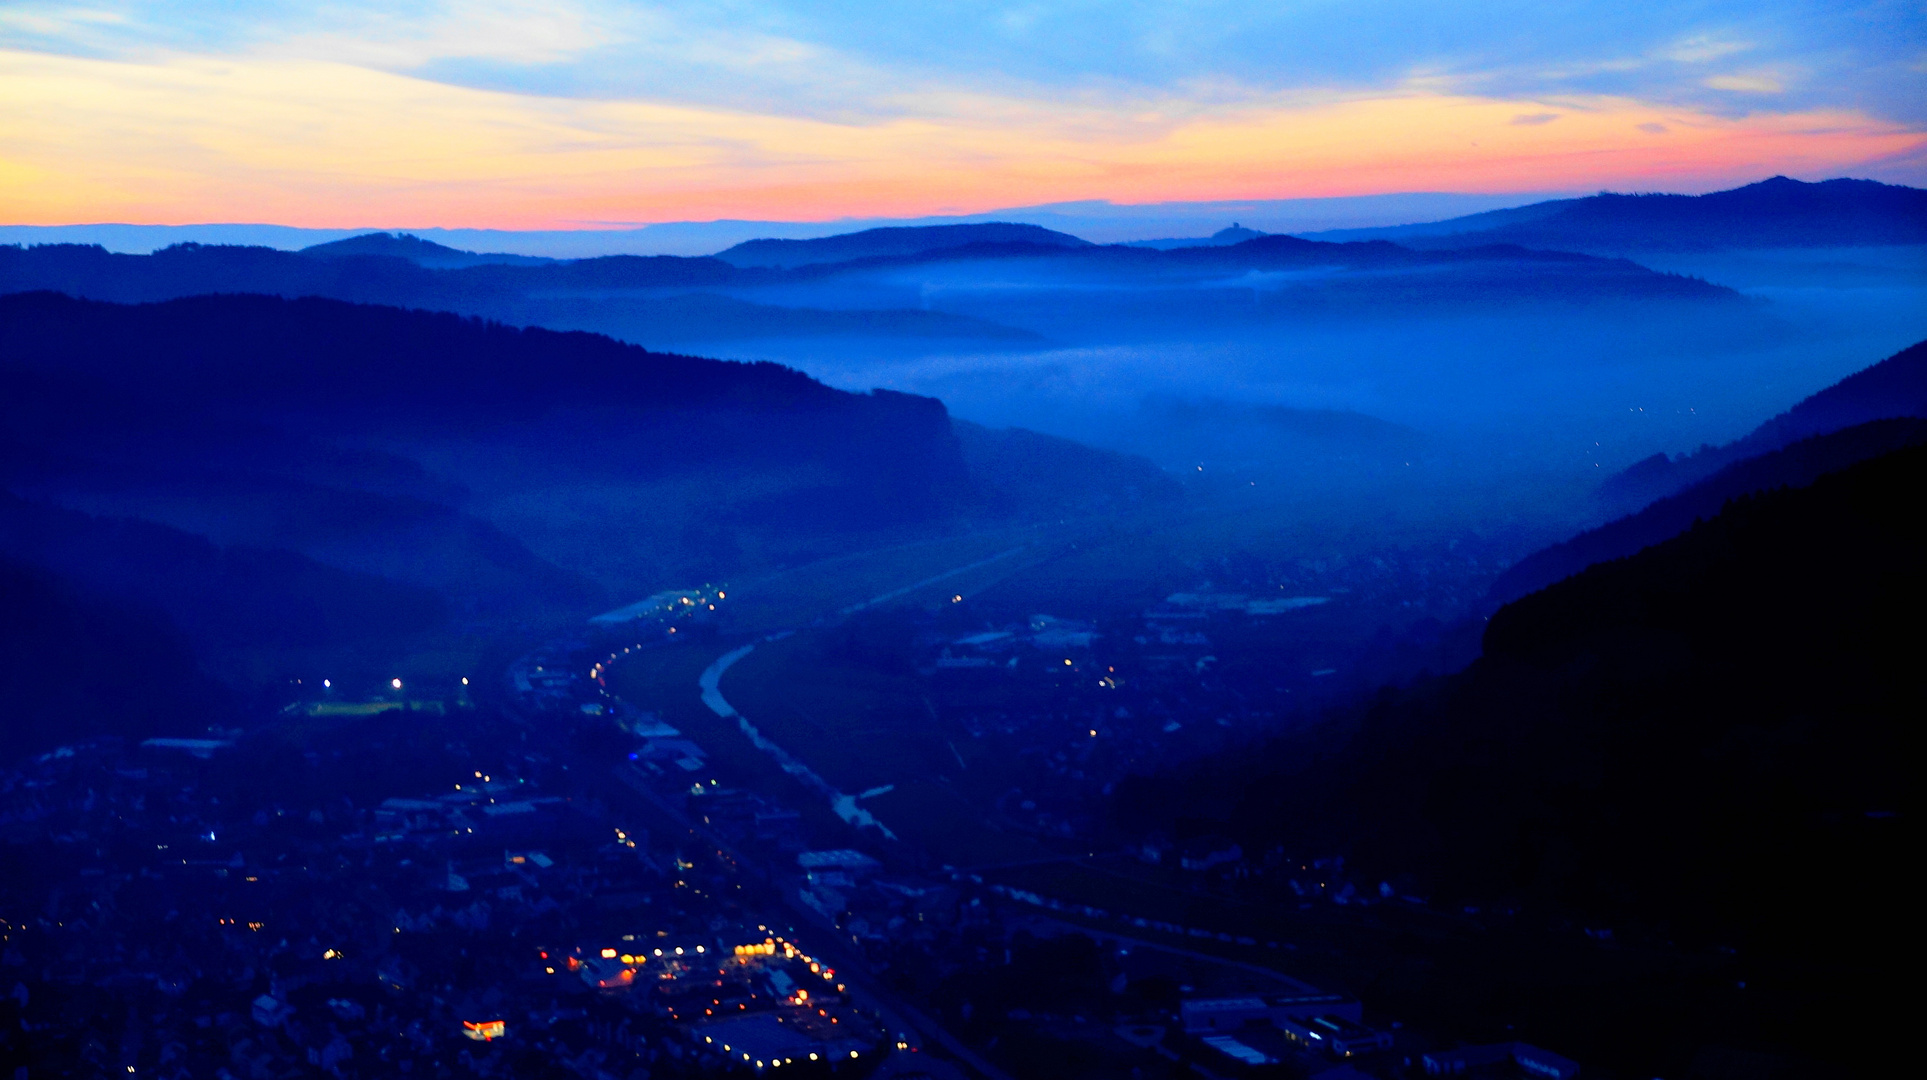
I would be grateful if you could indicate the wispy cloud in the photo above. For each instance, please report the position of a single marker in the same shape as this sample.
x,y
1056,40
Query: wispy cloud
x,y
322,143
1746,84
498,110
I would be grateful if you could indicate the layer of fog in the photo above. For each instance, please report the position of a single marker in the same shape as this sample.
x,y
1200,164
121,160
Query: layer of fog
x,y
1547,397
1095,220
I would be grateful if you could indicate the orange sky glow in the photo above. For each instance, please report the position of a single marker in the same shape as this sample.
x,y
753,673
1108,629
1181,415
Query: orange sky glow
x,y
316,143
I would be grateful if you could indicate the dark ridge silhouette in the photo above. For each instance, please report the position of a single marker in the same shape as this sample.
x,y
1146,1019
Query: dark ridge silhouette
x,y
617,294
1708,743
895,240
418,251
1266,251
1895,387
1230,234
301,425
1481,276
1778,212
366,361
375,369
77,666
1792,466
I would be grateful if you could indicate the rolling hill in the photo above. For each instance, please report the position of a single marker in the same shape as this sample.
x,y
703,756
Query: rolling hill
x,y
416,250
1778,212
863,284
311,473
885,242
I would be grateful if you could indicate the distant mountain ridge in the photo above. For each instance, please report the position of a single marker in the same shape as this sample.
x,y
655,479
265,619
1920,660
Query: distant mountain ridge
x,y
187,270
1777,212
705,303
418,251
649,299
1233,233
885,242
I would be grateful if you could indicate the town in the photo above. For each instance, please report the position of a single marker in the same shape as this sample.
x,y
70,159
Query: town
x,y
531,874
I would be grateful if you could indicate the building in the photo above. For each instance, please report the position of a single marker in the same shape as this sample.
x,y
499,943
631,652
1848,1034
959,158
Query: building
x,y
1239,1050
1215,1015
663,605
269,1012
854,863
1335,1034
1205,852
200,748
1499,1059
1224,1014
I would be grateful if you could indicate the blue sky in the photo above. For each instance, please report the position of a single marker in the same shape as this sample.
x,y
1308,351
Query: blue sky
x,y
791,99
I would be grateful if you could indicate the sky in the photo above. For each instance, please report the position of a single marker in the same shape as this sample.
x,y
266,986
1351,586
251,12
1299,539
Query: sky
x,y
577,114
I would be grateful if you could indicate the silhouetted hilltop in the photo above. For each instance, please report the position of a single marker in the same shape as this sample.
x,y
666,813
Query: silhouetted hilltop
x,y
1779,212
1895,387
1484,276
902,240
1795,465
1230,234
662,300
1708,743
313,355
418,251
76,665
405,451
640,298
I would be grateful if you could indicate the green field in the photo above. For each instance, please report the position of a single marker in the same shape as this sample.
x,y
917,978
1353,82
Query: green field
x,y
862,729
863,724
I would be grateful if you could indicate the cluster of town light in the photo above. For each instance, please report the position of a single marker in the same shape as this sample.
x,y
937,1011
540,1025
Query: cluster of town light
x,y
773,1062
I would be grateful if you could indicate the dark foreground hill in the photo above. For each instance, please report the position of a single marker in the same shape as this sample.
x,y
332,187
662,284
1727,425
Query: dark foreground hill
x,y
1706,746
1779,212
510,471
310,474
1895,387
1793,466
